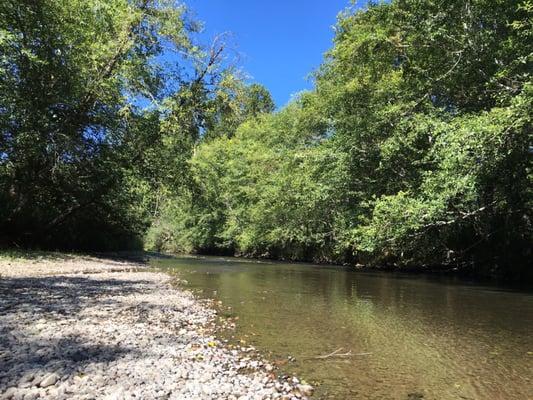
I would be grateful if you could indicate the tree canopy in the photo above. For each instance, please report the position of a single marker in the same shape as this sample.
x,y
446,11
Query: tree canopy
x,y
93,122
413,149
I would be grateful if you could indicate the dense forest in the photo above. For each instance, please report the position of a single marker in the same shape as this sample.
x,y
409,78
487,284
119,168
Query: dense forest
x,y
119,129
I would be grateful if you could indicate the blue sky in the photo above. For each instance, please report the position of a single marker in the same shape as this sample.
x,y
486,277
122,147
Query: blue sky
x,y
279,42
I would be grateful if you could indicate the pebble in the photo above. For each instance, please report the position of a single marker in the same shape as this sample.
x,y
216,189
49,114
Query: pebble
x,y
120,335
49,380
305,390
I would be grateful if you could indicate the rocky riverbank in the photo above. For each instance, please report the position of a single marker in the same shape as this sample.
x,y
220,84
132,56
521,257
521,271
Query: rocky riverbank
x,y
88,328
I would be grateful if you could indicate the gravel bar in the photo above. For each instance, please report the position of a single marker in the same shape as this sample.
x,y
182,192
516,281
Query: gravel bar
x,y
90,328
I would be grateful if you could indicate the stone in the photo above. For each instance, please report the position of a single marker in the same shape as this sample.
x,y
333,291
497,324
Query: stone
x,y
306,390
116,395
9,393
49,380
151,342
31,395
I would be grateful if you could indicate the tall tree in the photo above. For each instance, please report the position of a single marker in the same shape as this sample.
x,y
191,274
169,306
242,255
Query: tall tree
x,y
414,149
72,76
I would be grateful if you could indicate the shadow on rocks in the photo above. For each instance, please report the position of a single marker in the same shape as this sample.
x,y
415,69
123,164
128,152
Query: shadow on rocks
x,y
36,317
64,357
56,296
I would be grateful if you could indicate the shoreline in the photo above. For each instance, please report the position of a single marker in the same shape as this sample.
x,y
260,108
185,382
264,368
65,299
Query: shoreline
x,y
85,327
465,275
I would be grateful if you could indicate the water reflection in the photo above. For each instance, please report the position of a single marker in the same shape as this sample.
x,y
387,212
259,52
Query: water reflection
x,y
439,340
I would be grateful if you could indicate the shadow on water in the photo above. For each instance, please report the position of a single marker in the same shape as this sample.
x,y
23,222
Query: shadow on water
x,y
428,337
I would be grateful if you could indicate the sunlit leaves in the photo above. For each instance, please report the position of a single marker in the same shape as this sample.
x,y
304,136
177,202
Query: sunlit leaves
x,y
414,148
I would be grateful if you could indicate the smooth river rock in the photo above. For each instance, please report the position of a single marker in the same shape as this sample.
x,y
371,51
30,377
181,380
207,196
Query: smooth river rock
x,y
49,380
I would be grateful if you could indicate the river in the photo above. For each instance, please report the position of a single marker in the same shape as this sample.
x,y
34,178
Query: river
x,y
404,336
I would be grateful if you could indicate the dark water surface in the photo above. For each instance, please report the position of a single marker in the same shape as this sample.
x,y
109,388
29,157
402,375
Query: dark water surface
x,y
427,337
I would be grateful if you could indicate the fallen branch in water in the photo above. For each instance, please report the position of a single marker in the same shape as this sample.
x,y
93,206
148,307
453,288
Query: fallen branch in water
x,y
337,353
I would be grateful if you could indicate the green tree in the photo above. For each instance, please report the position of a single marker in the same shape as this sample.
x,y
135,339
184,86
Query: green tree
x,y
433,115
73,139
414,149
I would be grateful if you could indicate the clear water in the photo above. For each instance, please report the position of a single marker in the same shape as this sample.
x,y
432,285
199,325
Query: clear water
x,y
427,337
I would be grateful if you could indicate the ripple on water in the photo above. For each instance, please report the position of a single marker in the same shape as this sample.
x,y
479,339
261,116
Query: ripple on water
x,y
427,337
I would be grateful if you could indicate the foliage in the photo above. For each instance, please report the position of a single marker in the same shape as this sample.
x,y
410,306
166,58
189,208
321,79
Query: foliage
x,y
83,160
413,150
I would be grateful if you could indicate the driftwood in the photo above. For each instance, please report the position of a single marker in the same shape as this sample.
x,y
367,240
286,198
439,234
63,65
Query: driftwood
x,y
337,353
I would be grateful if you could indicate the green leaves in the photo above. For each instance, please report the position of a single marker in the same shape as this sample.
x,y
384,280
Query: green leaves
x,y
413,150
71,162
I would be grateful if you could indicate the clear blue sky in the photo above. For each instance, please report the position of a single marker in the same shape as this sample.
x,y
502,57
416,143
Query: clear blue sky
x,y
280,41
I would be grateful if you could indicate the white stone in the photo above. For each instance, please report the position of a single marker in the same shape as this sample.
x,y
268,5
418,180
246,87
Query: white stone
x,y
49,380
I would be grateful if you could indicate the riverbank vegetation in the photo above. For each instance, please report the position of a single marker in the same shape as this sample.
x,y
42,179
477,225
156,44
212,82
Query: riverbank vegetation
x,y
413,149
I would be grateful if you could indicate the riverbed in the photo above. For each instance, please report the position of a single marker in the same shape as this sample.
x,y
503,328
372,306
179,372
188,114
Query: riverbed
x,y
394,336
75,327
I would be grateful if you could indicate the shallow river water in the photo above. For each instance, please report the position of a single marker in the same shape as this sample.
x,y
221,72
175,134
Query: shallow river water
x,y
410,336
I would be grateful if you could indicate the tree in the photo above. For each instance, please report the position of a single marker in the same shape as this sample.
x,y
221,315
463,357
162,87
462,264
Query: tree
x,y
72,77
433,117
414,149
234,103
